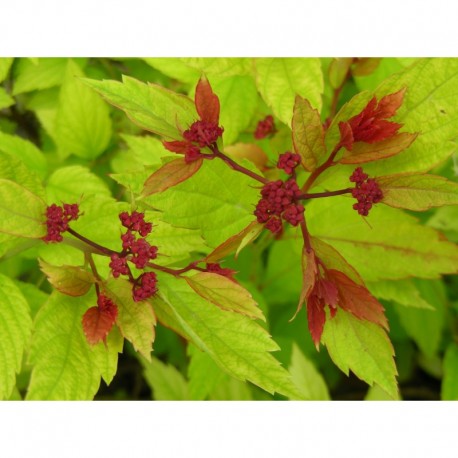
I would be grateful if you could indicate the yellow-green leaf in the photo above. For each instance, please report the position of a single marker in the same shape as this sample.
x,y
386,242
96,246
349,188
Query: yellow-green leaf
x,y
308,134
70,280
418,192
224,293
136,320
279,80
362,347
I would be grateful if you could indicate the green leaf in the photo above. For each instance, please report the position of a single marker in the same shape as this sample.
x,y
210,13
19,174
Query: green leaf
x,y
238,99
362,347
203,373
217,193
221,66
306,377
35,297
449,391
400,246
152,107
237,344
167,383
430,107
15,331
231,389
64,366
22,213
422,325
5,99
224,293
375,393
70,184
14,169
48,72
418,192
136,320
70,280
280,80
308,134
174,68
403,292
83,125
106,354
24,150
5,65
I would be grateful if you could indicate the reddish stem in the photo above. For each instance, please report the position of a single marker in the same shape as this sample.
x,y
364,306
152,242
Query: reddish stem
x,y
174,272
237,167
315,174
317,195
102,249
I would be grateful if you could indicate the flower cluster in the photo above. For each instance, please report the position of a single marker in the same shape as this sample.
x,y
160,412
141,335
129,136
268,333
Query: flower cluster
x,y
57,219
279,201
265,128
138,251
217,269
145,286
367,191
204,132
288,162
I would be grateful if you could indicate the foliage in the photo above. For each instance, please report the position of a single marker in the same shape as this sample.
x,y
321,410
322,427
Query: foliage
x,y
185,220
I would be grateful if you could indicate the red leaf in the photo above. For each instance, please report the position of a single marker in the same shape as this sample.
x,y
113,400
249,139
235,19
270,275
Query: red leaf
x,y
346,135
97,323
207,102
170,174
309,273
357,300
316,318
370,125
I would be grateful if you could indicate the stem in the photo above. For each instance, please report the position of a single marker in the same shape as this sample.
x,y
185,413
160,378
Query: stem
x,y
89,259
237,167
101,249
317,195
329,163
306,236
174,272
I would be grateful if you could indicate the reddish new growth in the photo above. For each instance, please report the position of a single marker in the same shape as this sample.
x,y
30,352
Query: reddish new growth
x,y
137,251
366,191
265,128
279,201
332,288
288,162
371,125
98,321
58,219
204,132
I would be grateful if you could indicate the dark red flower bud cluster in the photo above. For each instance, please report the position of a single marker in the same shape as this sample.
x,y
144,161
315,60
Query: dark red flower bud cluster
x,y
200,135
203,133
366,191
288,162
279,201
57,219
217,269
138,251
265,128
145,286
